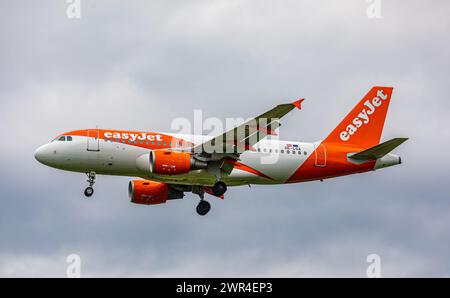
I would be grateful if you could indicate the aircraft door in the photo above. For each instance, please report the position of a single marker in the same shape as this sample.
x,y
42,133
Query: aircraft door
x,y
93,140
320,155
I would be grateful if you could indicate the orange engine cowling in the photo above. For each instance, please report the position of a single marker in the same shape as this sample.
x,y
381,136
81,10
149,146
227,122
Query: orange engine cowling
x,y
168,162
151,193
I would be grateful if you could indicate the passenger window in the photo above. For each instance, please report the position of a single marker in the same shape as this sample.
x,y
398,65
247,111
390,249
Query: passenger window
x,y
282,151
259,149
287,151
69,139
305,153
264,150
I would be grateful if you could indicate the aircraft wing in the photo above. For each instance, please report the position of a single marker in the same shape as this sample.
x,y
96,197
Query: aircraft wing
x,y
243,137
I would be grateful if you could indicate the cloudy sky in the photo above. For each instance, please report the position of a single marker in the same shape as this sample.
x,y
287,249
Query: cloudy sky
x,y
140,65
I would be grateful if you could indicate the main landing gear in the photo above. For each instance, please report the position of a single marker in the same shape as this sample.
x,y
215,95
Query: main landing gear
x,y
219,188
89,191
204,206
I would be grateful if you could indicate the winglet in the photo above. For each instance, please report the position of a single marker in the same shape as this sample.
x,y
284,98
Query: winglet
x,y
298,103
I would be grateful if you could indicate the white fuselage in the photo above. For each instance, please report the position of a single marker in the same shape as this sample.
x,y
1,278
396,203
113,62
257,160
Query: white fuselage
x,y
269,162
83,154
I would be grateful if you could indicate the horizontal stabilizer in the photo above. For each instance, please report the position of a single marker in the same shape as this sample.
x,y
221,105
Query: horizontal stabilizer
x,y
378,151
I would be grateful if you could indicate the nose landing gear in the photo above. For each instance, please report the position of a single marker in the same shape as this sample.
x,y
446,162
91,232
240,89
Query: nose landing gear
x,y
89,191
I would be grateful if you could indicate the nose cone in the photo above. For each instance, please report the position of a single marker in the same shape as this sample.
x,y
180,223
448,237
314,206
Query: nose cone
x,y
42,154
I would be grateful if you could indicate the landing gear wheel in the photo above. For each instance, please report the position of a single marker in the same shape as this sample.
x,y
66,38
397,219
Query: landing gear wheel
x,y
203,207
88,192
219,188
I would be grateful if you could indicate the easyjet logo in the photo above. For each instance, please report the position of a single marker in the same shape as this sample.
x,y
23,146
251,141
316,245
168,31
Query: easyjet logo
x,y
370,106
133,136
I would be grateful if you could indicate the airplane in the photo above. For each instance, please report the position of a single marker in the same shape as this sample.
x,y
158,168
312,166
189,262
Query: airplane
x,y
169,165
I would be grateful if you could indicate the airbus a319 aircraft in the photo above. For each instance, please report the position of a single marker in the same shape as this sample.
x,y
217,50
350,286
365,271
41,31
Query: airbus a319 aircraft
x,y
169,165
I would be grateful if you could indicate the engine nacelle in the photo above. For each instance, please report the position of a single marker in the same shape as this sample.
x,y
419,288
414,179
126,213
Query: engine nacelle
x,y
151,193
167,162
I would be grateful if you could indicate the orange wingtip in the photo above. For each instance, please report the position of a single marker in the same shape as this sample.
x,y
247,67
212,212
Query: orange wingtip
x,y
298,103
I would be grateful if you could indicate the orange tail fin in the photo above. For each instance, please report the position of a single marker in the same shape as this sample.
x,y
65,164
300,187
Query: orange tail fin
x,y
364,124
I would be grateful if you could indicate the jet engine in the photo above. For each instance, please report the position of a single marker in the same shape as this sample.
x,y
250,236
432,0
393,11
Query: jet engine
x,y
167,162
147,192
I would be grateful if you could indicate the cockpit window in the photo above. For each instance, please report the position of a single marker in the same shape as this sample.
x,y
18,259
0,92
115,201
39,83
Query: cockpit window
x,y
60,139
